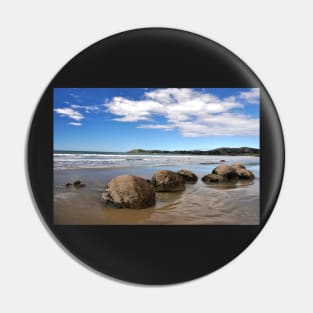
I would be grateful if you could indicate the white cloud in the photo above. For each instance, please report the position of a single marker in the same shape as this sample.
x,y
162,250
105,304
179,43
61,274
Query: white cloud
x,y
75,115
226,124
132,111
252,96
157,126
74,95
87,108
192,113
75,124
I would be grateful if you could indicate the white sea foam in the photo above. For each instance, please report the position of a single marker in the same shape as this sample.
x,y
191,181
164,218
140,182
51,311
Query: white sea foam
x,y
89,160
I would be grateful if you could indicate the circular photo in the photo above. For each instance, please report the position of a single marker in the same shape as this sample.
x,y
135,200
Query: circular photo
x,y
160,156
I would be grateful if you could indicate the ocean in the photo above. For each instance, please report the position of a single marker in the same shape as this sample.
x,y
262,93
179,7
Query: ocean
x,y
81,159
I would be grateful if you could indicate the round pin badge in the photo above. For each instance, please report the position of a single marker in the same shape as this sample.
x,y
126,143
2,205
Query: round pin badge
x,y
155,156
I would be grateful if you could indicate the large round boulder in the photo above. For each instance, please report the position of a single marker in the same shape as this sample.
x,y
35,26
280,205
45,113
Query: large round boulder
x,y
213,178
226,171
128,191
244,173
238,165
188,176
167,181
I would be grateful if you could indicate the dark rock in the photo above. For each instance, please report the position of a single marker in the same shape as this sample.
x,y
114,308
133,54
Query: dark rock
x,y
222,161
244,173
226,171
213,178
68,184
167,181
128,191
188,176
77,183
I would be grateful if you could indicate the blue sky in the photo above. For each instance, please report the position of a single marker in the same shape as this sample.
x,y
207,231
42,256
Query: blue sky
x,y
121,119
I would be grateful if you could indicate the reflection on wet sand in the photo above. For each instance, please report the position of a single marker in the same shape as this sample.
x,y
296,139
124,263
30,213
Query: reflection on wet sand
x,y
231,184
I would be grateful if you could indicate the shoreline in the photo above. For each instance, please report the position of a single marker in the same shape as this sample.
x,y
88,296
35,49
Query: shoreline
x,y
147,153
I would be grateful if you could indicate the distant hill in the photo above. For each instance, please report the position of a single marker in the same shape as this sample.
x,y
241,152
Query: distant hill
x,y
218,151
139,151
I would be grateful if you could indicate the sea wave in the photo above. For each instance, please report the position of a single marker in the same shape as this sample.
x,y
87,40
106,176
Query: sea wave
x,y
88,160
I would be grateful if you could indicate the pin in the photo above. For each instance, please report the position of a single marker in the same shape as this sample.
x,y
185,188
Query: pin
x,y
155,156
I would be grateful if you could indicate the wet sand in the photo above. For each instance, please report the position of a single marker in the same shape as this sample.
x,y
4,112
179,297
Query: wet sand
x,y
225,204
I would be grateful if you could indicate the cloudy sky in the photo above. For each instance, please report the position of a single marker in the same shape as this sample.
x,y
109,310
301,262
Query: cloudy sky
x,y
120,119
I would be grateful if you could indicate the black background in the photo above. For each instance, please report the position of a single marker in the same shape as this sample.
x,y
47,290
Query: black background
x,y
154,58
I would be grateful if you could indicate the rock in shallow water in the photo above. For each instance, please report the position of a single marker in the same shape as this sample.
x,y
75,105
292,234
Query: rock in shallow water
x,y
77,184
213,178
128,191
244,173
167,181
226,171
188,176
229,173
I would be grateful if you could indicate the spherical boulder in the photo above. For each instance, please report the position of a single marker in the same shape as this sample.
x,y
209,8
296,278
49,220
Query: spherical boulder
x,y
238,165
128,191
244,173
167,181
226,171
188,176
213,178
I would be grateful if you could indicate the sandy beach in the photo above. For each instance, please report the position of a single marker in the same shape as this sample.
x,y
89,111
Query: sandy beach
x,y
225,204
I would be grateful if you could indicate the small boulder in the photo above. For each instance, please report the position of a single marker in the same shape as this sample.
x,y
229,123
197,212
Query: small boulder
x,y
223,161
244,173
78,184
213,178
128,191
226,171
188,176
167,181
238,165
